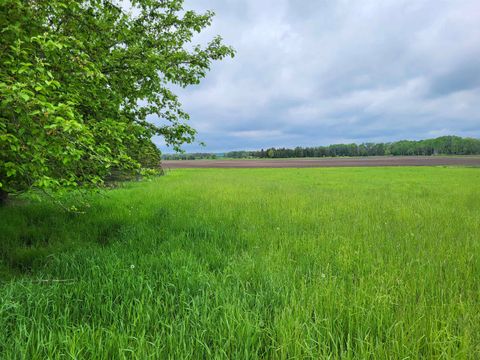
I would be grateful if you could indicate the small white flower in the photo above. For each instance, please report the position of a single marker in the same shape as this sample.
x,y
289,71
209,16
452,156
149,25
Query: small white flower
x,y
132,266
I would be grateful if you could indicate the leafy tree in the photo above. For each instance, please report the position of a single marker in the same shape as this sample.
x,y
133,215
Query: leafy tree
x,y
79,80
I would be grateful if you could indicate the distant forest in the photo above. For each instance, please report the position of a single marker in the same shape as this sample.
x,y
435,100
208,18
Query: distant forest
x,y
445,145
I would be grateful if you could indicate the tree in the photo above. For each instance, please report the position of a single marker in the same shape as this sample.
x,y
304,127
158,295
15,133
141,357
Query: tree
x,y
79,80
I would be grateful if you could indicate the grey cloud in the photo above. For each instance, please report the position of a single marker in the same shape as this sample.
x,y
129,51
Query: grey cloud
x,y
318,72
465,77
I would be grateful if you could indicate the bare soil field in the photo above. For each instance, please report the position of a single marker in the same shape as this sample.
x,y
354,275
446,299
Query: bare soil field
x,y
327,162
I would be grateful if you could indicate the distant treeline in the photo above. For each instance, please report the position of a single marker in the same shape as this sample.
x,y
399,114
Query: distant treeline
x,y
445,145
190,156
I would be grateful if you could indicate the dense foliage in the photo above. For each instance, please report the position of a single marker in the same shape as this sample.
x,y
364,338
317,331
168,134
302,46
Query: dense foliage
x,y
79,81
445,145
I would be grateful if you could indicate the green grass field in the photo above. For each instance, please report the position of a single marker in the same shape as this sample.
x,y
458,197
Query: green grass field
x,y
365,263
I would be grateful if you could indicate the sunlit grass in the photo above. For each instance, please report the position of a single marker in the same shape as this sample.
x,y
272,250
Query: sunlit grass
x,y
265,263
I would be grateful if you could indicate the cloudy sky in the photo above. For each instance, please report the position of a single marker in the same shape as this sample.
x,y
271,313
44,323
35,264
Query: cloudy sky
x,y
317,72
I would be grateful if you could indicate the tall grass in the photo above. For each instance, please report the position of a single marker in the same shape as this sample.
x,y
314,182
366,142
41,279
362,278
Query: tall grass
x,y
266,263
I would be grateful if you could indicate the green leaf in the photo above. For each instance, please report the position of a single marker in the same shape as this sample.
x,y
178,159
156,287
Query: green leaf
x,y
24,96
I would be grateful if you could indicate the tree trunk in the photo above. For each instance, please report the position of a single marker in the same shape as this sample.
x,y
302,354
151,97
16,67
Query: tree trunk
x,y
3,197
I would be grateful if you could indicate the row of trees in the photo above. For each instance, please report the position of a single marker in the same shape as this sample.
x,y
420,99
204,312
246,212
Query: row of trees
x,y
445,145
78,80
189,156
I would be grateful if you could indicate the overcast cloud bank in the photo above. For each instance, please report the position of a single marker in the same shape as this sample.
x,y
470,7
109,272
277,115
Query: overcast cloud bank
x,y
323,72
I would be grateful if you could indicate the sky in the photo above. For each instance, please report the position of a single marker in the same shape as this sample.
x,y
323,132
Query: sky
x,y
319,72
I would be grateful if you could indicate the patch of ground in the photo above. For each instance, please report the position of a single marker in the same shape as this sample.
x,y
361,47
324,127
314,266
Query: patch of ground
x,y
327,162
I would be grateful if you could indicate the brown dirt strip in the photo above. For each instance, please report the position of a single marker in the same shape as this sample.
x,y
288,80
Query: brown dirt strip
x,y
327,162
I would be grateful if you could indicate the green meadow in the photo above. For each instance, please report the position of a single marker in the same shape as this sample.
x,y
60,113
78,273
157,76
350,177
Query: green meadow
x,y
350,263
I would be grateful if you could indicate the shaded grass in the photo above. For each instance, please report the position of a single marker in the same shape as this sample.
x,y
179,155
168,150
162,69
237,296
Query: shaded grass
x,y
265,263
